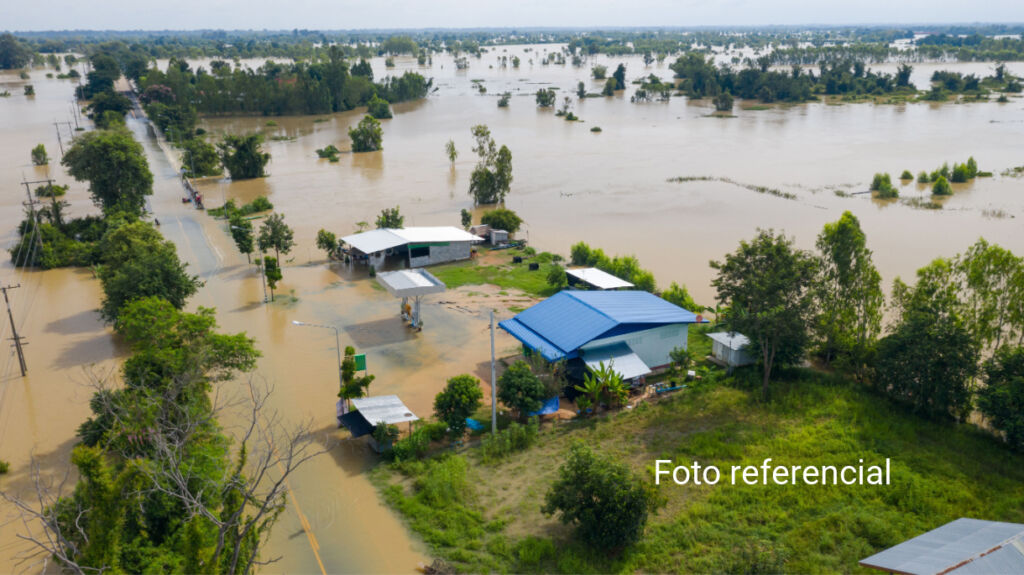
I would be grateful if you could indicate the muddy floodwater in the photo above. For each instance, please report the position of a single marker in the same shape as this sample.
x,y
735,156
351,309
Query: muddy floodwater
x,y
609,189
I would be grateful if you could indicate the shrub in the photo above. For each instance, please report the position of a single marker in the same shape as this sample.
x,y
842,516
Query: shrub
x,y
723,102
1002,397
960,174
378,108
366,136
460,398
602,498
520,390
4,467
906,175
880,182
599,72
545,98
557,278
596,129
941,187
503,101
923,178
514,438
328,153
39,157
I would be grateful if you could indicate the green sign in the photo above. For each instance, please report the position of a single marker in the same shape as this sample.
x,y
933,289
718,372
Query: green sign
x,y
360,362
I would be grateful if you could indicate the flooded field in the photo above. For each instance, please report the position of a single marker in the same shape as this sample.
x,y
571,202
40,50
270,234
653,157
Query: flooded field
x,y
609,189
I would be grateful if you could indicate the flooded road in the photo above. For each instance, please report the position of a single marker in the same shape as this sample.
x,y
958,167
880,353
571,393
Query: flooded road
x,y
609,189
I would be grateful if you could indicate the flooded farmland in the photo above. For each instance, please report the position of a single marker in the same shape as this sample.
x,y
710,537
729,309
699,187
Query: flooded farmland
x,y
610,189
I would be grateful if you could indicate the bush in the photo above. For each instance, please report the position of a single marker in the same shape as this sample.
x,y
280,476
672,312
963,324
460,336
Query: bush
x,y
906,175
922,178
502,219
378,108
942,187
39,157
960,174
520,390
880,182
602,498
460,399
545,98
599,72
723,102
329,153
4,467
200,158
557,278
514,438
504,100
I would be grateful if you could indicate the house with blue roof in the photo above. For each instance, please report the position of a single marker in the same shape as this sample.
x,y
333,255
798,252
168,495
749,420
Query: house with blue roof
x,y
633,331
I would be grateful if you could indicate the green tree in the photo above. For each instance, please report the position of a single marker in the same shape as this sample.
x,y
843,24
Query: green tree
x,y
849,294
557,278
606,503
39,157
109,102
451,152
243,156
460,399
115,166
928,361
272,271
906,176
680,296
367,135
467,218
491,179
378,108
609,87
599,72
723,102
1001,399
502,219
620,77
767,284
276,234
200,158
942,187
992,287
545,97
581,90
242,233
521,390
328,242
353,386
137,263
390,218
13,53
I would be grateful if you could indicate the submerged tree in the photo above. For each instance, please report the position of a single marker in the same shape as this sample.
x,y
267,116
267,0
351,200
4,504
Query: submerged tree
x,y
243,156
366,135
200,158
242,233
492,177
39,157
276,234
451,152
328,242
272,272
502,219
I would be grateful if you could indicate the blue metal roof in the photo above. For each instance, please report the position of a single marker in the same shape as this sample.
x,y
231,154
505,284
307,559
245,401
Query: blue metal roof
x,y
561,324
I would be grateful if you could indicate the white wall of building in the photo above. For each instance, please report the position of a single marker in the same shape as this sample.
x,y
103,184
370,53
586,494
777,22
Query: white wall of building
x,y
652,345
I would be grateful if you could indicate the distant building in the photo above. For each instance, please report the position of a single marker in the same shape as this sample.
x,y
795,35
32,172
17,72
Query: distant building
x,y
593,278
410,247
634,331
961,547
731,348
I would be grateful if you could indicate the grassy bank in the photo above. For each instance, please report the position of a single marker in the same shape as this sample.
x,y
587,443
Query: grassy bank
x,y
487,517
495,267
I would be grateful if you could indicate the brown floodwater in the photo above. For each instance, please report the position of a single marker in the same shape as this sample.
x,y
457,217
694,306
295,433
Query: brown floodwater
x,y
608,189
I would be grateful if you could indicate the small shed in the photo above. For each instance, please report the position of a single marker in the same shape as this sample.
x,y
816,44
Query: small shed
x,y
370,412
413,284
593,278
961,547
730,348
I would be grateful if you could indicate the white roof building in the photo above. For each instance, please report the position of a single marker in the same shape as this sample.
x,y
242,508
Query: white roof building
x,y
389,238
731,348
597,279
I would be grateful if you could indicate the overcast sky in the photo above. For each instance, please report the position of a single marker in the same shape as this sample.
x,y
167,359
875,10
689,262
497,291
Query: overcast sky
x,y
347,14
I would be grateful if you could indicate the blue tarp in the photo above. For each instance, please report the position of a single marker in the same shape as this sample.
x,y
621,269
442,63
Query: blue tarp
x,y
550,406
474,424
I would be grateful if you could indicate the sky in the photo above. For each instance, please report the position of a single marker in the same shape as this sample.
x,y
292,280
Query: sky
x,y
26,15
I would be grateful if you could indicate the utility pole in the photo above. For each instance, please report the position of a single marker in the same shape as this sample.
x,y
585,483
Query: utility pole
x,y
14,331
31,204
59,141
494,404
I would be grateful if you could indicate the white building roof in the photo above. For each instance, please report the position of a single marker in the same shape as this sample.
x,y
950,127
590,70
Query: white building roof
x,y
963,546
599,279
383,408
732,340
410,283
387,238
620,358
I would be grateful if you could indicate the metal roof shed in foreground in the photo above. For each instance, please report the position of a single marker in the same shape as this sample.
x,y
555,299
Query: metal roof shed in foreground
x,y
731,348
961,547
620,358
411,284
597,279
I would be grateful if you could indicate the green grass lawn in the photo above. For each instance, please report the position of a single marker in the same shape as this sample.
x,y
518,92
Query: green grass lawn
x,y
487,517
503,273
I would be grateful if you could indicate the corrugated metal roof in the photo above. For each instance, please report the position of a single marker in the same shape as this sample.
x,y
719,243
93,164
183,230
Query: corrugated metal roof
x,y
952,548
410,283
569,319
730,339
383,408
598,278
620,358
374,241
387,238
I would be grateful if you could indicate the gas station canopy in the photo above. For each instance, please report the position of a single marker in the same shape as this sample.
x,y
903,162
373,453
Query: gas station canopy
x,y
410,283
